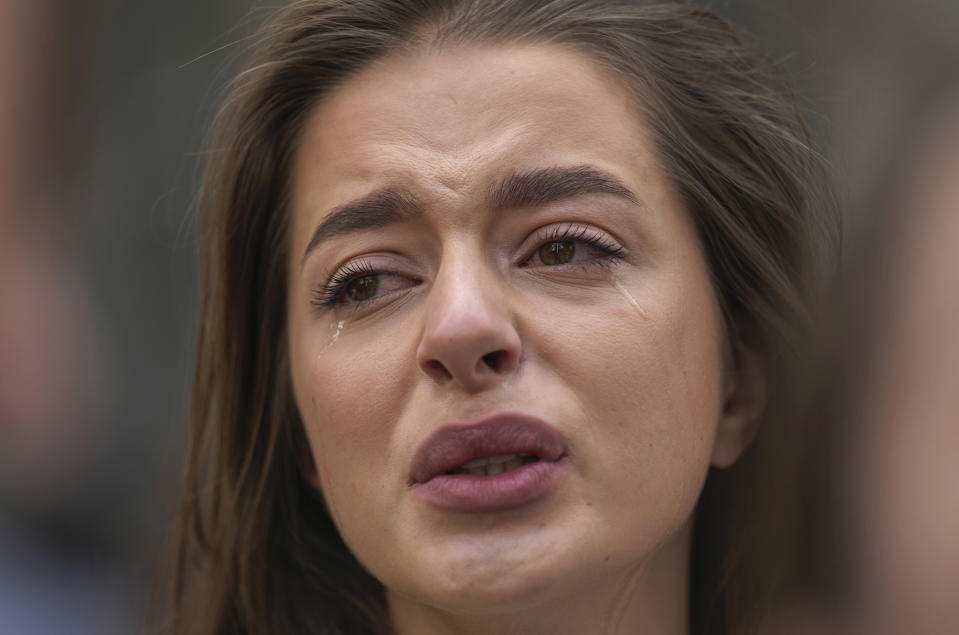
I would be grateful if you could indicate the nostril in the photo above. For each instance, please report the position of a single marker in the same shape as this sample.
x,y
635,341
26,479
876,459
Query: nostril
x,y
438,371
493,359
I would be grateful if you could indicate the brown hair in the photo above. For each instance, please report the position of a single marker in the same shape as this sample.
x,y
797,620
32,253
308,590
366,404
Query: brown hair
x,y
257,551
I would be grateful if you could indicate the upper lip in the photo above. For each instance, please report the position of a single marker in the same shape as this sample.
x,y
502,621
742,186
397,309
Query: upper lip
x,y
455,443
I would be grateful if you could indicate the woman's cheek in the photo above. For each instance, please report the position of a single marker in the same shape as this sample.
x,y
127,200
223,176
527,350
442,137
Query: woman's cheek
x,y
356,392
655,376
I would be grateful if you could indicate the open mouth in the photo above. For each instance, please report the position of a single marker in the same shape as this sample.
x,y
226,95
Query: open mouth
x,y
501,461
493,465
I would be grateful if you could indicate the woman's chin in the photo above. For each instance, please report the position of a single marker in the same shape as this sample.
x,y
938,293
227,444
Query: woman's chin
x,y
486,590
499,574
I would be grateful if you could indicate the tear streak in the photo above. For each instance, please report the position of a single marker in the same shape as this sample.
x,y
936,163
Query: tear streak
x,y
336,334
629,296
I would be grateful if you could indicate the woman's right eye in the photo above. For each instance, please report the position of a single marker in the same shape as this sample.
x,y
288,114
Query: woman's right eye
x,y
357,286
362,289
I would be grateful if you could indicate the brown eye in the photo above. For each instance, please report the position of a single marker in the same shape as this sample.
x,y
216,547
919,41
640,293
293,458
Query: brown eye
x,y
363,288
558,252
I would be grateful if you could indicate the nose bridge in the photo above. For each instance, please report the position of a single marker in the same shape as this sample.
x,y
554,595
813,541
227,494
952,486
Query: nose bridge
x,y
469,338
465,289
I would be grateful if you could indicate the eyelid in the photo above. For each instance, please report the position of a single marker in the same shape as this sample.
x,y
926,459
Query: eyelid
x,y
372,262
572,231
327,294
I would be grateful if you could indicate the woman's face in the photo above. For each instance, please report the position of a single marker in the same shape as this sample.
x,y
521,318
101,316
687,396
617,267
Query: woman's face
x,y
488,262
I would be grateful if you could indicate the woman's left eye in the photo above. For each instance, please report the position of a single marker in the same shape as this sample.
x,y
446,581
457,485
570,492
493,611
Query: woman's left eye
x,y
574,245
557,252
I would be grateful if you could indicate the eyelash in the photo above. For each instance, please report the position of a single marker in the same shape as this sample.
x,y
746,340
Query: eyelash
x,y
580,233
328,295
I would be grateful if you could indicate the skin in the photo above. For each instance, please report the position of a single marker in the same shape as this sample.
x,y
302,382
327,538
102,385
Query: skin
x,y
647,401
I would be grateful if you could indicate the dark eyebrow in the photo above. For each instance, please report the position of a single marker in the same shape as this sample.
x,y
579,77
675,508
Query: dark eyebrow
x,y
524,189
546,185
372,211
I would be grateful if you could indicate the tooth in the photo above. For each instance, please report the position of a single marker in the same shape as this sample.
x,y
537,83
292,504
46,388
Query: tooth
x,y
502,458
512,464
493,465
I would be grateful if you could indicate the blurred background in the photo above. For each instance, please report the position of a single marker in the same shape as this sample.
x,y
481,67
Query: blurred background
x,y
103,109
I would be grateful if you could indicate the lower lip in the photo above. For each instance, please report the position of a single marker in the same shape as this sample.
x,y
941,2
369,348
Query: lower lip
x,y
506,490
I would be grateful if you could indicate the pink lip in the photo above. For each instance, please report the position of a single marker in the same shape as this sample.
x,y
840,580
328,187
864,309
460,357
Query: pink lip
x,y
454,444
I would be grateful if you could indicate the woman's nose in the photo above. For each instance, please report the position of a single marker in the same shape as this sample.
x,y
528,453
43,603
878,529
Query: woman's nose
x,y
470,339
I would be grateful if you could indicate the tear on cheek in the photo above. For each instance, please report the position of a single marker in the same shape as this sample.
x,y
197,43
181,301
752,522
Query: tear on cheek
x,y
618,285
335,332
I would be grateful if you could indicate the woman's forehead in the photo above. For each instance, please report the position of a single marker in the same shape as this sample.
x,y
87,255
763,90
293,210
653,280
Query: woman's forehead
x,y
444,98
455,123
